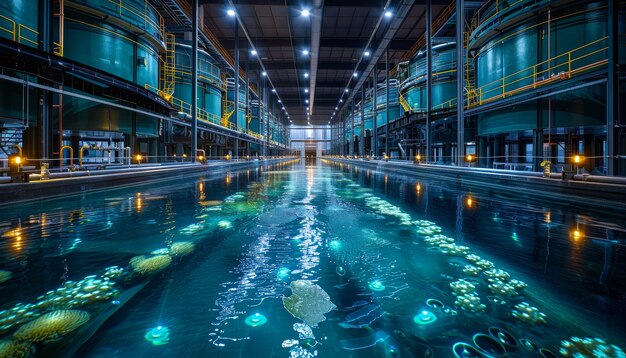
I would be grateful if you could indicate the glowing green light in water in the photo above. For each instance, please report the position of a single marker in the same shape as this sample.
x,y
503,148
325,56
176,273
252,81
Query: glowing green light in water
x,y
158,336
283,273
335,245
424,317
376,286
256,319
514,237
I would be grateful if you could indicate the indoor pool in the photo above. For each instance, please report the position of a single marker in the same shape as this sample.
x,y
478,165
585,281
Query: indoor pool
x,y
310,259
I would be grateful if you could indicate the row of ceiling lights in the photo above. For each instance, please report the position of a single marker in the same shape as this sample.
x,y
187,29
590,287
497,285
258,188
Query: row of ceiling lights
x,y
305,13
387,14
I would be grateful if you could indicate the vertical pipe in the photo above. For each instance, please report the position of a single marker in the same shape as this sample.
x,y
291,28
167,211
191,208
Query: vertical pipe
x,y
460,81
374,143
247,101
194,80
236,97
429,74
362,139
612,113
387,102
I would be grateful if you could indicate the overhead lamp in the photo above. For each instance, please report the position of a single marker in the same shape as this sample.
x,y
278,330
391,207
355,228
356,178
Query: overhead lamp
x,y
366,53
355,74
336,108
306,90
283,108
273,90
231,12
263,73
253,52
305,52
306,101
341,101
347,90
306,75
388,14
305,12
279,101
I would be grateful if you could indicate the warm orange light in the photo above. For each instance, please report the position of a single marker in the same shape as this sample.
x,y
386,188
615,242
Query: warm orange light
x,y
577,234
418,187
139,157
578,159
469,158
18,160
418,158
469,202
200,157
547,217
184,155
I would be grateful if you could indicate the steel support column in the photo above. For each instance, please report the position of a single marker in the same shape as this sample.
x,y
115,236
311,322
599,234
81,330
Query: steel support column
x,y
236,94
612,87
362,138
460,82
194,79
374,139
387,102
429,75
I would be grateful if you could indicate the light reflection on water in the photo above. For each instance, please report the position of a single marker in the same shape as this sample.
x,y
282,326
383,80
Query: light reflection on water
x,y
350,231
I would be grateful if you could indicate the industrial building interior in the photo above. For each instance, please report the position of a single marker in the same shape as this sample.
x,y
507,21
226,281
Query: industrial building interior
x,y
268,178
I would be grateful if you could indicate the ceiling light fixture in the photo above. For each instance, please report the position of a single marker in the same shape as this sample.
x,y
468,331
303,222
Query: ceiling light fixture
x,y
306,75
305,13
273,90
230,12
355,74
305,52
306,90
253,52
263,73
366,53
347,90
388,14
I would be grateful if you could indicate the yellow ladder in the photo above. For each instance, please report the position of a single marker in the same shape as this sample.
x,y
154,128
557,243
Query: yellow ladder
x,y
405,105
169,68
228,109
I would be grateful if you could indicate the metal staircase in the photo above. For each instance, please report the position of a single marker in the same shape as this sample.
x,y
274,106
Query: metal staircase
x,y
8,138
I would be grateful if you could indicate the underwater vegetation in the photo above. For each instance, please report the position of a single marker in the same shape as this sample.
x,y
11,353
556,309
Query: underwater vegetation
x,y
52,326
308,302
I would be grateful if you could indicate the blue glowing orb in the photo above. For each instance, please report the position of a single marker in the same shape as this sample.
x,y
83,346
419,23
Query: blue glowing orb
x,y
335,245
283,273
376,286
256,319
424,317
158,336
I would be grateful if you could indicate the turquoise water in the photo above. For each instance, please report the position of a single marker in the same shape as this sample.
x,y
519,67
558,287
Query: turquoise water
x,y
303,260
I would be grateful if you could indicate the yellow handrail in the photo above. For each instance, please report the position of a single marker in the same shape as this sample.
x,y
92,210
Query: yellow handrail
x,y
12,29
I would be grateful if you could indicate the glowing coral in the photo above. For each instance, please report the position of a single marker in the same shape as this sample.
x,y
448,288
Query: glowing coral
x,y
15,349
52,326
151,265
182,248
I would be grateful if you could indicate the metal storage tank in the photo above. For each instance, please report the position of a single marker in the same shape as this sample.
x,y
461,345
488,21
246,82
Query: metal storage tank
x,y
522,47
413,80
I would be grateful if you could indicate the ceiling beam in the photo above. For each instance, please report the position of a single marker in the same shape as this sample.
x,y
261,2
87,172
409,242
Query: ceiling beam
x,y
325,42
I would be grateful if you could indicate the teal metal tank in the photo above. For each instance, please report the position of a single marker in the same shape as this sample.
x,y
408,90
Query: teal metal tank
x,y
210,85
413,79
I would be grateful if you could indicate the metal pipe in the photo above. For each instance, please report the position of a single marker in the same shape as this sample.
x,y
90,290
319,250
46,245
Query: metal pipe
x,y
80,155
374,144
71,155
362,139
194,80
612,113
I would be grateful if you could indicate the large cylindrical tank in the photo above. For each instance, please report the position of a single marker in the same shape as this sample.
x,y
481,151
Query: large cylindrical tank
x,y
103,35
210,84
532,45
413,81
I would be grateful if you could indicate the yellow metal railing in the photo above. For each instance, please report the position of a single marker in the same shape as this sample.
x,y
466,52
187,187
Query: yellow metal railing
x,y
557,68
19,32
125,8
489,10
